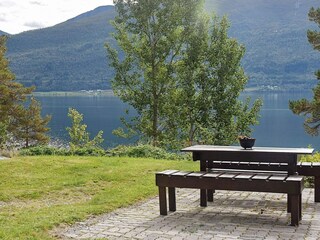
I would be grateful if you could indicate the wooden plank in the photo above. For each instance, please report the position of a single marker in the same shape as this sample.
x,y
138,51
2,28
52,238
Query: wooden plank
x,y
277,178
305,164
212,175
196,174
244,176
294,178
261,177
228,175
180,173
214,148
168,172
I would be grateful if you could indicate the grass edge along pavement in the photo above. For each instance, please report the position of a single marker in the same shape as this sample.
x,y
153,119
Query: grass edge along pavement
x,y
41,192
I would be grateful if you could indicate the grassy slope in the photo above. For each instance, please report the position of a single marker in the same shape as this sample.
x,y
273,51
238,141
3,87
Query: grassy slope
x,y
38,193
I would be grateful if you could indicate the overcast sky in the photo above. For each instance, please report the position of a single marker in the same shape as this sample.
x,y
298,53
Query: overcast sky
x,y
20,15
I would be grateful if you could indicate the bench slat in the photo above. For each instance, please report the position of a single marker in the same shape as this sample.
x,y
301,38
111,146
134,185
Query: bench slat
x,y
244,176
228,175
278,178
168,172
181,173
261,176
196,174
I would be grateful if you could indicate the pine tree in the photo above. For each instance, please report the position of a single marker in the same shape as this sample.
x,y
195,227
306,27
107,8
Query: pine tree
x,y
311,109
15,120
29,126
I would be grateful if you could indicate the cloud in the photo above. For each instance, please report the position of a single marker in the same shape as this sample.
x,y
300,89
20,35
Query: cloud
x,y
7,3
34,24
36,3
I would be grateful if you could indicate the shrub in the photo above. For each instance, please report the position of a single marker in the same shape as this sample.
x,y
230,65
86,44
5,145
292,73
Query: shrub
x,y
46,150
145,151
309,181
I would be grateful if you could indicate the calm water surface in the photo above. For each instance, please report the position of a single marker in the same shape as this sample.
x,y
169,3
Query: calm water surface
x,y
278,126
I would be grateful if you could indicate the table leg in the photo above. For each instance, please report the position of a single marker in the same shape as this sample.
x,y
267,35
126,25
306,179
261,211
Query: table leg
x,y
203,197
172,199
317,188
163,201
295,209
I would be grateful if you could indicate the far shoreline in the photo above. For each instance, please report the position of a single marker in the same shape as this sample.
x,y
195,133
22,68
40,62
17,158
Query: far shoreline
x,y
84,93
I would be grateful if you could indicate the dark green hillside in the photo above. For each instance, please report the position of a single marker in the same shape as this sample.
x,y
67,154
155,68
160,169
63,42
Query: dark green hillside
x,y
68,56
3,33
71,56
274,33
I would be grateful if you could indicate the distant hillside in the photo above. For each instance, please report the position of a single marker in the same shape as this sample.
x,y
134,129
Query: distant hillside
x,y
70,56
3,33
274,33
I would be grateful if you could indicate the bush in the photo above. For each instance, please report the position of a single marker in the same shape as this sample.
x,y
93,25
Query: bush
x,y
43,150
309,181
46,150
88,151
145,151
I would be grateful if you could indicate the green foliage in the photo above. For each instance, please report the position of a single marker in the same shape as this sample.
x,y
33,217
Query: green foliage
x,y
3,133
79,136
211,79
29,126
309,181
145,151
186,66
311,109
151,35
44,150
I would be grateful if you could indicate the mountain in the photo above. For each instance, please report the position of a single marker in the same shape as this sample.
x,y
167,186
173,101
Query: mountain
x,y
3,33
71,56
66,57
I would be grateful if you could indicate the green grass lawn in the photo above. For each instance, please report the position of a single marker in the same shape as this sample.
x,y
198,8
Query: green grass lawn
x,y
39,193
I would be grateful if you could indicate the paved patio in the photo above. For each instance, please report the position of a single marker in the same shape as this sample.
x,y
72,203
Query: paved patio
x,y
233,215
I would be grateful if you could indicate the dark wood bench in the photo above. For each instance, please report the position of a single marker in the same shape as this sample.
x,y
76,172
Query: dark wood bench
x,y
310,169
235,180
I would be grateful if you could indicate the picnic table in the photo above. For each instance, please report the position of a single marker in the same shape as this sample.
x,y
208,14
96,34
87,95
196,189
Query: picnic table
x,y
261,169
264,158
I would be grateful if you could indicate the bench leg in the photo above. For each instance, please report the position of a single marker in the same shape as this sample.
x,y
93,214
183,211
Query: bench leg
x,y
288,203
295,209
172,199
317,188
210,193
163,201
300,207
203,197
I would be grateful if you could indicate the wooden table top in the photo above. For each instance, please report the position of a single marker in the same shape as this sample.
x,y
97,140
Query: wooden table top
x,y
215,148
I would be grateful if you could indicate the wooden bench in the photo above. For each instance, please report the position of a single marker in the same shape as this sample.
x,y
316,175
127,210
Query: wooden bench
x,y
235,180
310,169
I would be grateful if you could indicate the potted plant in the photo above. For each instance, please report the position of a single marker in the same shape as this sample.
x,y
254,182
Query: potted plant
x,y
246,142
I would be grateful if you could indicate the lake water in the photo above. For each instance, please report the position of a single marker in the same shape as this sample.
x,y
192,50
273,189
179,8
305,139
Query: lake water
x,y
278,127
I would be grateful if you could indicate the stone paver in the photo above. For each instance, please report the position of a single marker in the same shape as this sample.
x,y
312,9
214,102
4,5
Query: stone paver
x,y
232,215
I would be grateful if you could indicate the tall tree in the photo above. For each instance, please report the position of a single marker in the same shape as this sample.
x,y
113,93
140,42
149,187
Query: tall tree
x,y
151,35
29,126
180,72
210,81
311,109
11,93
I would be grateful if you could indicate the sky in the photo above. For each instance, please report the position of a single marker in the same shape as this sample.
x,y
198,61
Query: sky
x,y
21,15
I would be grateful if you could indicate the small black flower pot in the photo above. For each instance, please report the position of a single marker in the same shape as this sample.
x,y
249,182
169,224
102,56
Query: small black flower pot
x,y
247,142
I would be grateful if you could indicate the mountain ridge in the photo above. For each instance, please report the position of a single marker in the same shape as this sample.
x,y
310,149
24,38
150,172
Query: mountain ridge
x,y
70,56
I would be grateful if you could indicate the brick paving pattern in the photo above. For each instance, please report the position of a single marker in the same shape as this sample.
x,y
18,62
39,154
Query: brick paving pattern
x,y
232,215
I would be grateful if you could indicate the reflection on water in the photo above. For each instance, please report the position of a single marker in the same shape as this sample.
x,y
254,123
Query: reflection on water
x,y
278,127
